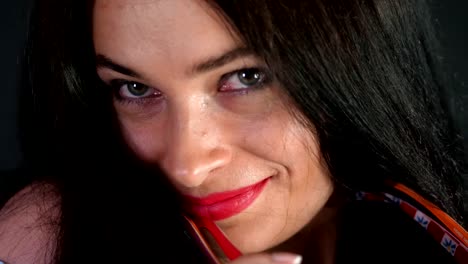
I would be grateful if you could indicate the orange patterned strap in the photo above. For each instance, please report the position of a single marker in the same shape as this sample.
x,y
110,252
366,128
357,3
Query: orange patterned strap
x,y
445,230
455,228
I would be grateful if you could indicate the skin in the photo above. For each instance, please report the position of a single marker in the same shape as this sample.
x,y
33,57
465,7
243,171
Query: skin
x,y
27,225
208,133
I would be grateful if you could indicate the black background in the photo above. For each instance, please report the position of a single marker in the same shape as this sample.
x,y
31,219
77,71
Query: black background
x,y
449,14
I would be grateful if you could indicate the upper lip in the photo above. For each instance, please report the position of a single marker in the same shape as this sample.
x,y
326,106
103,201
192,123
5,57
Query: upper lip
x,y
220,196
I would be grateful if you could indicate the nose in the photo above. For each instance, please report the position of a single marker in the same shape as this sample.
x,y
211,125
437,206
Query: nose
x,y
194,147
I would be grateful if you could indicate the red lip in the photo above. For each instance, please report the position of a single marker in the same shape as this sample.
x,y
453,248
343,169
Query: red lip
x,y
222,205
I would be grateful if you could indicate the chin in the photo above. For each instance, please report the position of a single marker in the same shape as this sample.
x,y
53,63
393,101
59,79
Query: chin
x,y
260,237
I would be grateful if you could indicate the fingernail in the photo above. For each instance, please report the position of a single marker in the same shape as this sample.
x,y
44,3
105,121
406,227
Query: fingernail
x,y
286,258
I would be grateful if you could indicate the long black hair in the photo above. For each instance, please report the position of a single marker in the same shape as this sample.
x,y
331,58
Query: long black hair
x,y
112,208
367,79
363,75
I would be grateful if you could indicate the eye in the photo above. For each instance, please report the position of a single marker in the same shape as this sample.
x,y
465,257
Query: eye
x,y
127,90
243,79
134,90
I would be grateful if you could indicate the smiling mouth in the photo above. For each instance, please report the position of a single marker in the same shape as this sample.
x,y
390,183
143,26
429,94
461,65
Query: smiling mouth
x,y
223,205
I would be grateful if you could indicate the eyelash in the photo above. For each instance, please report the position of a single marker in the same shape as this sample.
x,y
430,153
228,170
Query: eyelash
x,y
264,80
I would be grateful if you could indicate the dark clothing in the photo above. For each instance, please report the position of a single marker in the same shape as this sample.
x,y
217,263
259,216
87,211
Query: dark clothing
x,y
377,232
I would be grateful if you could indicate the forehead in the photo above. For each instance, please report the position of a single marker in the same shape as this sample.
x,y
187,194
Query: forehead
x,y
132,29
157,13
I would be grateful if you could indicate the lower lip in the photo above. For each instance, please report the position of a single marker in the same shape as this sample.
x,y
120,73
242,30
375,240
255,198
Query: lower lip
x,y
229,207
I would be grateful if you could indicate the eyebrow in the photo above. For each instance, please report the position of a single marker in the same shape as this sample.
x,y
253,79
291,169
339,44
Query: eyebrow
x,y
105,62
219,61
205,66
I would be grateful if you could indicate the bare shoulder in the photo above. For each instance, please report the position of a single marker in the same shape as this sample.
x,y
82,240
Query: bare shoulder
x,y
28,225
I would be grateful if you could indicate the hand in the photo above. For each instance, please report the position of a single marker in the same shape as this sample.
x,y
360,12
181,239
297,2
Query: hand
x,y
269,258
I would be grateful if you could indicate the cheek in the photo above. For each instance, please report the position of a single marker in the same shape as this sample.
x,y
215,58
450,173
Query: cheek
x,y
288,144
310,183
306,186
308,175
143,139
295,197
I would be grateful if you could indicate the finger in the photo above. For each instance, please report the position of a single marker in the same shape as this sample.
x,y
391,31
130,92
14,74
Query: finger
x,y
264,258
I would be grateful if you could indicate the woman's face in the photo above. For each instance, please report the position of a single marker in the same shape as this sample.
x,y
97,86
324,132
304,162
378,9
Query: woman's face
x,y
192,100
